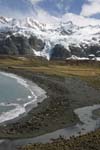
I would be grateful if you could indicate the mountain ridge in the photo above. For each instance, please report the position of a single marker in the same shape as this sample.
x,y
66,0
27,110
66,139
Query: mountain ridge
x,y
61,40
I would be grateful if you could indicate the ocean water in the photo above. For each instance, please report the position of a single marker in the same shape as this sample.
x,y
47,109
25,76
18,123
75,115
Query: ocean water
x,y
15,94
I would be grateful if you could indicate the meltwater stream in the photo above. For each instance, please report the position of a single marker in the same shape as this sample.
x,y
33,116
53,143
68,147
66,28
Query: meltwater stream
x,y
88,124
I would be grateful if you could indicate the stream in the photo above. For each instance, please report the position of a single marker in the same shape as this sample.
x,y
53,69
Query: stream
x,y
87,124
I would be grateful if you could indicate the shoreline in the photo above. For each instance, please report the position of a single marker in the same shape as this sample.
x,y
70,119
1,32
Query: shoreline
x,y
38,93
42,105
59,84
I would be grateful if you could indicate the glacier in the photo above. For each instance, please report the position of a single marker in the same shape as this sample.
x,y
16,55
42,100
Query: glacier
x,y
80,41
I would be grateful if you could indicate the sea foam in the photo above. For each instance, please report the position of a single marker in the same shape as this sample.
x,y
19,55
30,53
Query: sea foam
x,y
38,95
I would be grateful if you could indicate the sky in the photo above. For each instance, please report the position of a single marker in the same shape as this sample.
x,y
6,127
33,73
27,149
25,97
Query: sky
x,y
87,8
53,9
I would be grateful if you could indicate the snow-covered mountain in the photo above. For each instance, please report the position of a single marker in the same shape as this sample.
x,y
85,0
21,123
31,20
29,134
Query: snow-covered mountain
x,y
59,40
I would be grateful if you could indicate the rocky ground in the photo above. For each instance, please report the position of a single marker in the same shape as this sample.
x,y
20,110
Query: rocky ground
x,y
89,141
68,87
57,111
53,113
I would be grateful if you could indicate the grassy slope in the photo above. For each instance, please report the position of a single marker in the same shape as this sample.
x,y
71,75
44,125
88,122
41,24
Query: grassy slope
x,y
88,72
52,67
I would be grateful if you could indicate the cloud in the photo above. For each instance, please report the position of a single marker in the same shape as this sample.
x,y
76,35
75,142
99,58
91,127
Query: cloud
x,y
44,17
80,20
35,1
61,6
90,8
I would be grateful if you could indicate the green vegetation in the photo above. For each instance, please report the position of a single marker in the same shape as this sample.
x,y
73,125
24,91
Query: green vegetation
x,y
90,141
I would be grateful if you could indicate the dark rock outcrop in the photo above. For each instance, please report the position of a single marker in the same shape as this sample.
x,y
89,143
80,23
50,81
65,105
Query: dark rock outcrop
x,y
77,51
59,52
19,44
36,44
92,49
